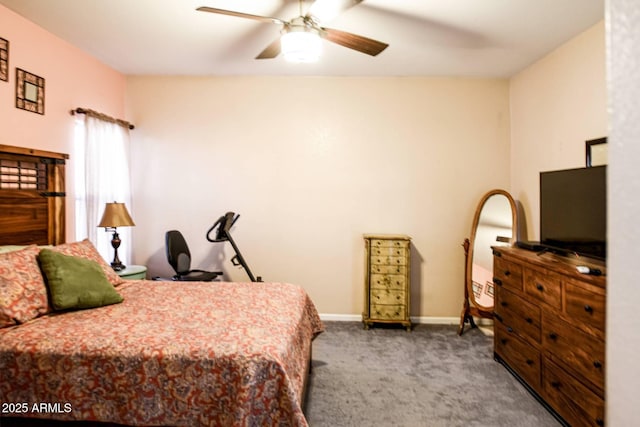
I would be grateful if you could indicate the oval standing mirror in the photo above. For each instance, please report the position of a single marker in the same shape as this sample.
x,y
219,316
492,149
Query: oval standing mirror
x,y
494,224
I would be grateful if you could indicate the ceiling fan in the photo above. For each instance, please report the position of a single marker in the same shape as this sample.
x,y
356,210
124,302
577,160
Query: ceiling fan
x,y
307,26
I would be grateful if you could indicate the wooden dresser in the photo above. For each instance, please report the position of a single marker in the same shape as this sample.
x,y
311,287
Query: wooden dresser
x,y
550,330
387,284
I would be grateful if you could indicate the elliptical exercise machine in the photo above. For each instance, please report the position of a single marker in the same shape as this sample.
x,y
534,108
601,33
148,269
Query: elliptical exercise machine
x,y
222,227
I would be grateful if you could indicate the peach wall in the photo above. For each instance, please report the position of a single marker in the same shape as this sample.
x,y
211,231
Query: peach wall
x,y
72,79
313,163
556,105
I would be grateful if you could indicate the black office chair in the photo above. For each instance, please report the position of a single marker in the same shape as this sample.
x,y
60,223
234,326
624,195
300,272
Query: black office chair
x,y
179,258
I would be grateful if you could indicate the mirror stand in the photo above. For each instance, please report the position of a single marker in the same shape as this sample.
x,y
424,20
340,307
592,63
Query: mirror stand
x,y
468,312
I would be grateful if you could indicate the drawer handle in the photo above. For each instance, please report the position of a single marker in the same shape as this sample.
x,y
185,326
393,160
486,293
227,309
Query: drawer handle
x,y
503,303
588,309
553,336
497,281
555,384
509,329
600,422
529,320
529,362
597,364
507,273
539,287
503,341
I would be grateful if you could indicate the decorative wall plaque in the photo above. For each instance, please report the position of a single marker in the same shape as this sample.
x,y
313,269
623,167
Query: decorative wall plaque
x,y
4,59
29,92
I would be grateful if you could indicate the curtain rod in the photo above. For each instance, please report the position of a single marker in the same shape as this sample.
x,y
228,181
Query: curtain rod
x,y
101,116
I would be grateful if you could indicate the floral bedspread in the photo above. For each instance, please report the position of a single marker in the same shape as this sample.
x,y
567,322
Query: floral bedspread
x,y
173,353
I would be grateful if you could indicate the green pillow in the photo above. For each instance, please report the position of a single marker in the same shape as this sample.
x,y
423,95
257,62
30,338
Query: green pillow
x,y
76,282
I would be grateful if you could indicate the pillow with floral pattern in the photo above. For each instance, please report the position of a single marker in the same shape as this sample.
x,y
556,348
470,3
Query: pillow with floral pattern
x,y
23,293
86,249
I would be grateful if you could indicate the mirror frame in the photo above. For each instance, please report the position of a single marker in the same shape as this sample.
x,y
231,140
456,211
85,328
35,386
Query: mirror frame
x,y
472,238
471,307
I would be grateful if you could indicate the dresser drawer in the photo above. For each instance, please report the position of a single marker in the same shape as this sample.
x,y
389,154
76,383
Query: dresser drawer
x,y
389,260
522,357
388,269
388,251
388,281
543,287
585,306
388,243
387,312
507,274
578,405
518,315
581,352
387,296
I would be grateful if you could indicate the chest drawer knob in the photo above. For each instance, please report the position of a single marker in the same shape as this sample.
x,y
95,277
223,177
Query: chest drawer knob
x,y
539,287
504,303
507,273
529,320
555,384
588,309
497,281
529,362
504,341
553,336
509,329
597,364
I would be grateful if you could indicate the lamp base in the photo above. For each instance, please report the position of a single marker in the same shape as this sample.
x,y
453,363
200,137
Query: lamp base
x,y
117,265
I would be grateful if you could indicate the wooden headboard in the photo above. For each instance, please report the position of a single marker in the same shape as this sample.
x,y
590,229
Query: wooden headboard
x,y
32,196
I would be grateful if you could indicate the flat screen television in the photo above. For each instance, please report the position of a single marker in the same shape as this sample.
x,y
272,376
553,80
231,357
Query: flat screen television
x,y
573,211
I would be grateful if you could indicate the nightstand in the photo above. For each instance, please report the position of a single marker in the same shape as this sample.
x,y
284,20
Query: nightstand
x,y
133,272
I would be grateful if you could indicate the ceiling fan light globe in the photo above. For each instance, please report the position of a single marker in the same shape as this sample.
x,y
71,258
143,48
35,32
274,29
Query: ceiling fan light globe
x,y
301,46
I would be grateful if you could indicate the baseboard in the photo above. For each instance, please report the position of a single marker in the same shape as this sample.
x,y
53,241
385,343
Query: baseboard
x,y
420,319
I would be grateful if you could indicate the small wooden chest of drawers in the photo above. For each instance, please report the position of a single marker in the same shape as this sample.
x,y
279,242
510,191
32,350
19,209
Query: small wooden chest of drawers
x,y
387,279
550,331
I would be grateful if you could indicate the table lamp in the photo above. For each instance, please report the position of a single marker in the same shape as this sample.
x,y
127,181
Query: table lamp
x,y
115,215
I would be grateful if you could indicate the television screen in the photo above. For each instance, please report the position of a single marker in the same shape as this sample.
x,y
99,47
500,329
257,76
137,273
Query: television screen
x,y
573,211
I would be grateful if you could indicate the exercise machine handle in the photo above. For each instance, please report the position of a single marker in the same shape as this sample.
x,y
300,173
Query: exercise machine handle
x,y
223,224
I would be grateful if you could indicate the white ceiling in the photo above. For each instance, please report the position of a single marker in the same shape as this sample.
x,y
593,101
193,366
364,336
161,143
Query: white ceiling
x,y
487,38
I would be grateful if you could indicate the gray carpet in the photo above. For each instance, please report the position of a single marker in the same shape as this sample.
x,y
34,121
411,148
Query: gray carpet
x,y
428,377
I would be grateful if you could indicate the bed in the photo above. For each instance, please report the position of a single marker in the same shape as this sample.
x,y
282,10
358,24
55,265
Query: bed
x,y
160,353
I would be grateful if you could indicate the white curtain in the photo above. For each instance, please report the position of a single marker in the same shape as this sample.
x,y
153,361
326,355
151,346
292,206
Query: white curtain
x,y
101,175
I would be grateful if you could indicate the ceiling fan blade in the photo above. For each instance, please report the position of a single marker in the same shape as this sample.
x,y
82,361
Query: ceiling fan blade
x,y
353,41
270,51
326,10
241,15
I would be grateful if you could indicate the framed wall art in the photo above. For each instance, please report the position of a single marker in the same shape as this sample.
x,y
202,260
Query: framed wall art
x,y
4,59
29,92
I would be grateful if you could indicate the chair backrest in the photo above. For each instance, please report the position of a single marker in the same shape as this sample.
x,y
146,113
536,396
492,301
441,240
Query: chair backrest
x,y
178,253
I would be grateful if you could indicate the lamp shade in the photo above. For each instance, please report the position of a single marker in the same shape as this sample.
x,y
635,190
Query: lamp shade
x,y
115,215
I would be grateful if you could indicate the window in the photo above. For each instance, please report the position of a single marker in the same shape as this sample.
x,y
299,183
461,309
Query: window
x,y
101,175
